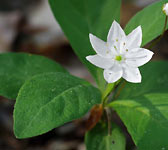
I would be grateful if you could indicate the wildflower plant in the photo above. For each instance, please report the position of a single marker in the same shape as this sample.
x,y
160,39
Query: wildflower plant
x,y
47,96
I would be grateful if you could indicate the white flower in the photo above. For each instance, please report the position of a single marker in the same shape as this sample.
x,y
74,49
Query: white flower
x,y
165,9
121,55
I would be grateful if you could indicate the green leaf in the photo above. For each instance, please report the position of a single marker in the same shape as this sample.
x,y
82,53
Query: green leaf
x,y
154,79
144,108
78,18
49,100
16,68
98,138
152,20
146,118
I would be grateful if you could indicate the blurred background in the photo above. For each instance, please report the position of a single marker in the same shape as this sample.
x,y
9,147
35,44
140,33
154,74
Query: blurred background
x,y
29,26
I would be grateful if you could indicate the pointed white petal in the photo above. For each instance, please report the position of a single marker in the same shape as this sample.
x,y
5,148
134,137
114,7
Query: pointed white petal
x,y
113,74
134,39
101,62
132,74
165,9
138,57
99,46
115,34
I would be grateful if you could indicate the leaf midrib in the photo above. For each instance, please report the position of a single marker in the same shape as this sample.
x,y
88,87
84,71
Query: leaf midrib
x,y
62,93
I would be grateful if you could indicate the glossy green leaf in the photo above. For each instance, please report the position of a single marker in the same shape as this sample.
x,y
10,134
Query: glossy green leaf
x,y
49,100
151,19
78,18
154,79
16,68
98,138
144,108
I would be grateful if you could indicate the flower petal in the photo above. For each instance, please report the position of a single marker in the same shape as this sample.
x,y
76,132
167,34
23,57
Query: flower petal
x,y
138,57
115,34
165,9
134,39
132,74
99,46
101,62
113,74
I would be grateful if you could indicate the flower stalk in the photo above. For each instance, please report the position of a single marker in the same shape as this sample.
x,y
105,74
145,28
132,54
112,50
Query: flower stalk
x,y
108,115
110,87
120,89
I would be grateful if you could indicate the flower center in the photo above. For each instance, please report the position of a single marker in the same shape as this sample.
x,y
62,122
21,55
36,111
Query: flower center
x,y
118,58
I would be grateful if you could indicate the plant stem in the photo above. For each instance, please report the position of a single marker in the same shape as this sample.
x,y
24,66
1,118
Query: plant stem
x,y
108,90
164,29
110,87
108,114
120,89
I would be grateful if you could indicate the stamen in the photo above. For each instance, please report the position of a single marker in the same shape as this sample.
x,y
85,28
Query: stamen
x,y
115,47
